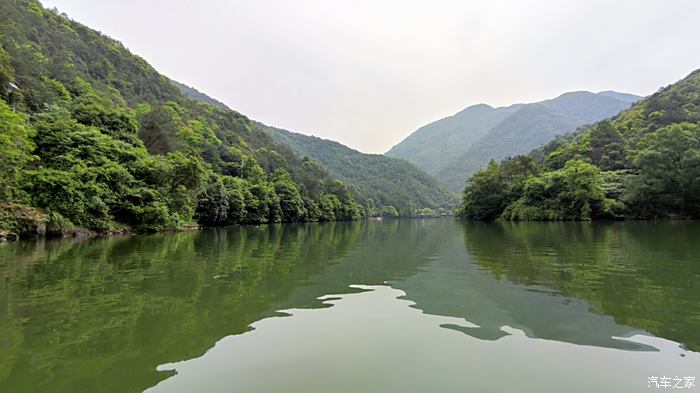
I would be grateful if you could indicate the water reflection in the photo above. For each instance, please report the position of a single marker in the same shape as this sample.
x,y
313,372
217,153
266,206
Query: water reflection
x,y
645,275
102,314
398,348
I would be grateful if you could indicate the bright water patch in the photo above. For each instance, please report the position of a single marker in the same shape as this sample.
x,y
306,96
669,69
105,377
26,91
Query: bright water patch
x,y
375,342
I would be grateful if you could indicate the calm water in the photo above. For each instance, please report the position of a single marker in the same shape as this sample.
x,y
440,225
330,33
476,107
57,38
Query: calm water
x,y
409,305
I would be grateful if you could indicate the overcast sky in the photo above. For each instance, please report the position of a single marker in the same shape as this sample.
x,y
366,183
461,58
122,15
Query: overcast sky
x,y
367,72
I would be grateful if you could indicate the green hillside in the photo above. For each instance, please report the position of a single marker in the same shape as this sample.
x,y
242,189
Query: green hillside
x,y
377,180
453,148
642,164
94,137
195,94
433,146
381,184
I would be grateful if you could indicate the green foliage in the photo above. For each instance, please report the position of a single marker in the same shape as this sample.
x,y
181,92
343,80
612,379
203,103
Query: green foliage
x,y
607,146
453,148
260,200
371,177
644,163
572,193
339,206
16,146
490,190
389,211
371,208
117,144
668,179
6,74
214,203
22,220
290,202
64,192
328,207
159,130
57,224
485,196
93,109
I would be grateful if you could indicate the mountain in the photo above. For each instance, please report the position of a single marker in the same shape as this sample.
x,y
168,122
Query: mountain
x,y
443,141
454,147
383,180
643,163
631,98
195,94
94,137
378,182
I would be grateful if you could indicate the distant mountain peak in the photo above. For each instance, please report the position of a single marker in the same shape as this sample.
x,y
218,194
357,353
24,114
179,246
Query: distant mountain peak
x,y
384,180
575,93
195,94
476,108
631,98
454,147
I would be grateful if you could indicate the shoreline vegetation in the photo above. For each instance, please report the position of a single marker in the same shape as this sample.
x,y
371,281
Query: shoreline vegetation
x,y
455,147
642,164
96,140
39,229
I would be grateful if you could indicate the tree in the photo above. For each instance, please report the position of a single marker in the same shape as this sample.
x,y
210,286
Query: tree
x,y
159,130
16,148
389,211
668,181
6,73
236,191
607,146
94,109
260,203
582,196
329,207
213,203
371,208
572,193
485,195
289,199
117,144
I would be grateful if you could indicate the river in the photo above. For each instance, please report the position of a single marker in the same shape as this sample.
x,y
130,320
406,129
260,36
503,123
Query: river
x,y
415,305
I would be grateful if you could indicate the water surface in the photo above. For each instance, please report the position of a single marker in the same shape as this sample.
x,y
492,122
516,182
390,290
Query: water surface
x,y
404,305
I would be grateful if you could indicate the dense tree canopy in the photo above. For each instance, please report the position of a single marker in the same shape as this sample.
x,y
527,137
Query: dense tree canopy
x,y
643,163
376,181
16,146
94,137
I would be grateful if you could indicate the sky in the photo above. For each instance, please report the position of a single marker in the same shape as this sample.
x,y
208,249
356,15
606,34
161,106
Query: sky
x,y
367,73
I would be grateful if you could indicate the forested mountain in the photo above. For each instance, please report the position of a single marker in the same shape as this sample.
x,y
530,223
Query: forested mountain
x,y
631,98
93,136
379,182
643,163
383,185
435,145
454,147
195,94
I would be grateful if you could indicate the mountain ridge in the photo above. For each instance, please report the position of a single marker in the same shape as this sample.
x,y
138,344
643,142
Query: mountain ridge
x,y
384,180
454,147
101,140
643,163
408,189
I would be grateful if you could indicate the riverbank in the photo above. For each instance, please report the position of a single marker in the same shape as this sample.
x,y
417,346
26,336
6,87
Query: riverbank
x,y
19,221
